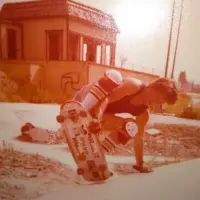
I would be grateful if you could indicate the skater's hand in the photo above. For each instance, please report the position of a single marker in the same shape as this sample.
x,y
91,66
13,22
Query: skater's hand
x,y
142,168
94,126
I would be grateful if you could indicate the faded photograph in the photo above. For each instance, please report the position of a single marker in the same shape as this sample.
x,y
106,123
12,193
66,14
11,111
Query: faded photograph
x,y
99,99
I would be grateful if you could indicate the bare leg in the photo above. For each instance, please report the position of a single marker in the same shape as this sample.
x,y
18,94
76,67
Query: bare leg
x,y
111,122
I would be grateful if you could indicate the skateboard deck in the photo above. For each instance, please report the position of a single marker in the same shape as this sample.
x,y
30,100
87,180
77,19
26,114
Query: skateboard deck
x,y
84,145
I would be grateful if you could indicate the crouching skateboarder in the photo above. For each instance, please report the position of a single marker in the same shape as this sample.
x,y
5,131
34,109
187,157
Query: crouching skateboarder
x,y
112,94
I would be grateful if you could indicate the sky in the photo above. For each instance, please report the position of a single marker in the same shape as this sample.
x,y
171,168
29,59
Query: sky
x,y
144,34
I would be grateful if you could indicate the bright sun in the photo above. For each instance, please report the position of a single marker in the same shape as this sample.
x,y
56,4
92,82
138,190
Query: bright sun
x,y
138,18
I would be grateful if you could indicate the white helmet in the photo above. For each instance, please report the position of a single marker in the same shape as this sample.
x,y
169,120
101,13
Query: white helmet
x,y
114,76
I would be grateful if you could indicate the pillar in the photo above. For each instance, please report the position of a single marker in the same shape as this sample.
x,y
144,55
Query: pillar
x,y
112,54
103,53
81,48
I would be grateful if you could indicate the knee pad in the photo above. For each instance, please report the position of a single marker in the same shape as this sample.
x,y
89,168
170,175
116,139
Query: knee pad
x,y
102,88
128,131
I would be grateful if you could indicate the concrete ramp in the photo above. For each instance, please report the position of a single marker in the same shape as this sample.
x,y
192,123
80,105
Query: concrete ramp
x,y
174,182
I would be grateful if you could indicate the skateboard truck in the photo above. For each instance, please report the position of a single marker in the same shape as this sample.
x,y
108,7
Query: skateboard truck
x,y
60,118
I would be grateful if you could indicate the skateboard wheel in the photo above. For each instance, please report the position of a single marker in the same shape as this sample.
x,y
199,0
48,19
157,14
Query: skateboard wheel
x,y
60,118
80,171
102,167
111,173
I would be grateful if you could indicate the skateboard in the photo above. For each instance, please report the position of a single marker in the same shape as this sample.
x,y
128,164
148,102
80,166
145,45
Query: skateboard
x,y
84,145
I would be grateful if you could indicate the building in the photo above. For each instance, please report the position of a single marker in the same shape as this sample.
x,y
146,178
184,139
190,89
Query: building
x,y
59,45
57,30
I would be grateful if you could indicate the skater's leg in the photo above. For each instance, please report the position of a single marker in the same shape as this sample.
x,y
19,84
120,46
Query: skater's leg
x,y
111,123
117,131
115,124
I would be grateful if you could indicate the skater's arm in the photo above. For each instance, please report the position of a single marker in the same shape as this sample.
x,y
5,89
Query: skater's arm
x,y
97,114
139,138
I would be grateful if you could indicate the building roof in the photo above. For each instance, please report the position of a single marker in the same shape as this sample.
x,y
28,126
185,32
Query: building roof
x,y
57,8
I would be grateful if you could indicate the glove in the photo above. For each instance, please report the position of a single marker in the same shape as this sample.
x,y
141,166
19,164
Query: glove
x,y
94,126
142,168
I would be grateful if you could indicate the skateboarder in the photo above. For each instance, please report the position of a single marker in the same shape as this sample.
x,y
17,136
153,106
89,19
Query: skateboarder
x,y
132,97
125,95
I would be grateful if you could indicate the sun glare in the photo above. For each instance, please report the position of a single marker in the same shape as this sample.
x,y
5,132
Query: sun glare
x,y
138,19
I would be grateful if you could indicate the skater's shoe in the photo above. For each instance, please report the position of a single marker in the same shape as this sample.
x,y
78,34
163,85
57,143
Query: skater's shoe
x,y
26,127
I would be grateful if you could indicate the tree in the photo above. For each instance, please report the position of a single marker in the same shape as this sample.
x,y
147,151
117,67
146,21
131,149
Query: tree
x,y
182,79
123,60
